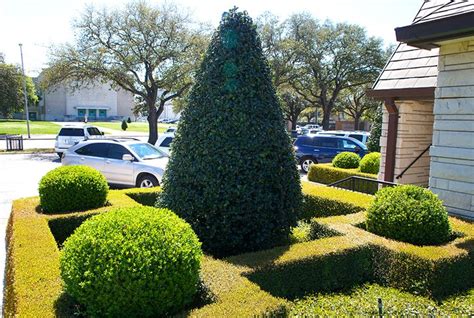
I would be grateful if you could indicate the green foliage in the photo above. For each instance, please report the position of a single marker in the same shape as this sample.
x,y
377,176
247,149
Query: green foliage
x,y
409,213
137,261
336,270
327,174
370,163
72,188
326,201
129,120
233,117
346,160
11,90
34,287
147,198
124,125
156,42
362,302
376,132
420,275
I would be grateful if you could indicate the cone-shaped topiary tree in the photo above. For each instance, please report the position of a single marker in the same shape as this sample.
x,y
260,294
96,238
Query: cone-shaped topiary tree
x,y
232,173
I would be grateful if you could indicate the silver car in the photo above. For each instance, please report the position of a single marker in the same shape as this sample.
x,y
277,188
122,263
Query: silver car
x,y
125,162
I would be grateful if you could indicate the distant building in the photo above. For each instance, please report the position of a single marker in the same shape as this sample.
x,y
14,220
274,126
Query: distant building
x,y
428,90
98,102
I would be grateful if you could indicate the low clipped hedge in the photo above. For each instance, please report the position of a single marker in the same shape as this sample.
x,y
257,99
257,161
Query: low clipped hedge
x,y
327,174
149,253
435,271
370,163
72,188
409,213
346,160
236,284
321,201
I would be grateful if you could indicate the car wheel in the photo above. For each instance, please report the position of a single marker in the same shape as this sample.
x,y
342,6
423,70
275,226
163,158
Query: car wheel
x,y
147,181
60,154
306,163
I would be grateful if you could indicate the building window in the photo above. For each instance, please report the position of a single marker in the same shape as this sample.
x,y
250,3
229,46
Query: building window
x,y
102,113
92,113
81,113
32,115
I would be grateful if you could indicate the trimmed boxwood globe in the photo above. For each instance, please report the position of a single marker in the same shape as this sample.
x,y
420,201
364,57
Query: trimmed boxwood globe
x,y
370,163
72,188
410,214
132,262
346,160
232,173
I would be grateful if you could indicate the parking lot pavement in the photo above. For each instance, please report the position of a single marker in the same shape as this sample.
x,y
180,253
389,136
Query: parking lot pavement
x,y
19,177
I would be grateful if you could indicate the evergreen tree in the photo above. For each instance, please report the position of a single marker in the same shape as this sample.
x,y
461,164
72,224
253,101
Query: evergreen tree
x,y
124,125
232,173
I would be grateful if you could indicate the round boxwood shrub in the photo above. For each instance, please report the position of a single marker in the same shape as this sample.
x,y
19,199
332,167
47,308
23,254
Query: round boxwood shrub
x,y
370,163
409,213
346,160
232,173
72,188
132,262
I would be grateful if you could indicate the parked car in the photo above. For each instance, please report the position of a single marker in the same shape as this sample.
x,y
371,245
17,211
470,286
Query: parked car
x,y
124,162
313,127
171,129
70,135
362,136
322,149
164,142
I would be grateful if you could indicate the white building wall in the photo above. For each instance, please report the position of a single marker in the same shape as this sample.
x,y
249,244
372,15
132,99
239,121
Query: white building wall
x,y
99,96
62,103
452,153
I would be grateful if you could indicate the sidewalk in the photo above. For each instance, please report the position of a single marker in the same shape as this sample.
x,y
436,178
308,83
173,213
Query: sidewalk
x,y
20,177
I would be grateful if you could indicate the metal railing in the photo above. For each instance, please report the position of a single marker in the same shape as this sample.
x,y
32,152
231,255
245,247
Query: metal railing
x,y
413,162
361,184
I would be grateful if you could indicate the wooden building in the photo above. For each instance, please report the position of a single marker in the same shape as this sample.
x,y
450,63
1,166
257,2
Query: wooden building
x,y
428,90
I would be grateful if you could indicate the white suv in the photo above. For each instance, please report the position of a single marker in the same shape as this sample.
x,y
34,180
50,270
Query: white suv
x,y
362,136
125,162
70,135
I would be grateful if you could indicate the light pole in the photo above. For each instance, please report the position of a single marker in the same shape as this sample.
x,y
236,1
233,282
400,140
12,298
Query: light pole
x,y
24,91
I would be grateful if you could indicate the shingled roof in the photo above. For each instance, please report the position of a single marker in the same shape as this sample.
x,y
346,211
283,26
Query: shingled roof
x,y
415,69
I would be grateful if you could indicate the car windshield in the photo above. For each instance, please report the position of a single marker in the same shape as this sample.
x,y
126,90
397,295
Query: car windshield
x,y
146,151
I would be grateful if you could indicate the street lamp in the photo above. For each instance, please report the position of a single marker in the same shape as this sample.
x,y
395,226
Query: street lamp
x,y
24,91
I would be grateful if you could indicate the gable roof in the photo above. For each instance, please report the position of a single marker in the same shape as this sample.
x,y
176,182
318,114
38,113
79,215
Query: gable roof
x,y
412,71
438,20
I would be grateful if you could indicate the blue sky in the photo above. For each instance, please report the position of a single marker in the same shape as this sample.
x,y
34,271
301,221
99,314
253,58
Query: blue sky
x,y
38,24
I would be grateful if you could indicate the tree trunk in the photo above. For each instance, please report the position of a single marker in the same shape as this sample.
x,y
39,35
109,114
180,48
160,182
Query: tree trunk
x,y
293,123
152,124
326,117
356,122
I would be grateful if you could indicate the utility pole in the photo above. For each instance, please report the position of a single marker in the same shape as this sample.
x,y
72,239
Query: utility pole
x,y
24,91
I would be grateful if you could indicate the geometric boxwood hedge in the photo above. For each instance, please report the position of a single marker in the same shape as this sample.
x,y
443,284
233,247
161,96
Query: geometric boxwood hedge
x,y
236,283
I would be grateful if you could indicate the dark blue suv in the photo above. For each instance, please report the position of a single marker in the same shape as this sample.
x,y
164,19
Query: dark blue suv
x,y
322,149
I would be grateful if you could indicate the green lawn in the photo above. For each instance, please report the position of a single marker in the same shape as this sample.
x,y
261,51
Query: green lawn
x,y
361,301
15,127
133,126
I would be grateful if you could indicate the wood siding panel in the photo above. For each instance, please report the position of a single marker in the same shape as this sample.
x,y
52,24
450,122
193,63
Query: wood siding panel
x,y
452,154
